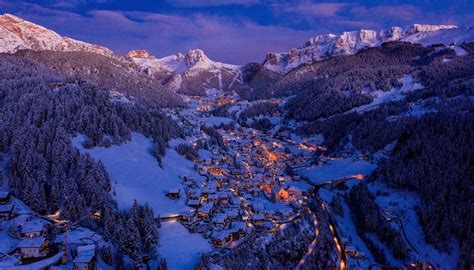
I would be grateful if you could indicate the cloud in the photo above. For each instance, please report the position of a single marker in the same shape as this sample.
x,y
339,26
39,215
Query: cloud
x,y
315,9
222,38
405,13
226,37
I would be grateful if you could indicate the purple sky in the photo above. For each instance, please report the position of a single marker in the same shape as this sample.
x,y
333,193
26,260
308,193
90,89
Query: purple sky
x,y
233,31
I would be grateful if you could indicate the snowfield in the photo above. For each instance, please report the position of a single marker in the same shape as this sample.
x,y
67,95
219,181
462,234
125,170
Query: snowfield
x,y
135,174
216,121
337,169
395,94
181,249
403,203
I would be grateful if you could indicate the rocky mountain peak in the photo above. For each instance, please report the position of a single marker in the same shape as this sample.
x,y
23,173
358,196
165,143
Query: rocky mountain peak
x,y
347,43
193,57
18,34
139,54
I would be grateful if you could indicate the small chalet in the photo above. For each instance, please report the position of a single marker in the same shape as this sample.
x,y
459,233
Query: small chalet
x,y
173,193
298,166
205,211
238,229
5,197
85,259
194,194
254,191
31,229
33,247
295,192
194,203
224,197
221,238
279,194
220,221
187,216
212,198
233,213
6,210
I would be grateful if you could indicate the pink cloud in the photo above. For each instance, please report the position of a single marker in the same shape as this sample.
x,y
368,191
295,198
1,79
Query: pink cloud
x,y
223,39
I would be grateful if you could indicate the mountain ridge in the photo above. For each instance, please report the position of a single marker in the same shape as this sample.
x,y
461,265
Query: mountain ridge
x,y
194,73
324,46
19,34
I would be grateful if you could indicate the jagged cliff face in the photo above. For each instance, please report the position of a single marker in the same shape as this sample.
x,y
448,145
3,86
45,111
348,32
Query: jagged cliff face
x,y
325,46
18,34
190,73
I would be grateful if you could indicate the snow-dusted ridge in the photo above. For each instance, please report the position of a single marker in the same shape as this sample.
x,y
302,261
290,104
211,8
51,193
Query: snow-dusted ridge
x,y
177,63
18,34
324,46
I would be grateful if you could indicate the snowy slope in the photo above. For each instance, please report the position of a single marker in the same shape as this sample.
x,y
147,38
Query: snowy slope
x,y
404,204
324,46
18,34
135,174
380,97
181,248
337,169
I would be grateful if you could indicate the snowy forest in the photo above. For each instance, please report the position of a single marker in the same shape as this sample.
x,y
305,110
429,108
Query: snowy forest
x,y
432,153
40,111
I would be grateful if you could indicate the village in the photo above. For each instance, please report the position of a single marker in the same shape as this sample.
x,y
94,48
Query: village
x,y
252,186
33,241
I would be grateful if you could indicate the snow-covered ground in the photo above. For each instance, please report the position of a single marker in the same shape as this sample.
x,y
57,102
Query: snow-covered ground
x,y
43,264
216,121
181,249
347,229
135,173
380,97
403,204
336,169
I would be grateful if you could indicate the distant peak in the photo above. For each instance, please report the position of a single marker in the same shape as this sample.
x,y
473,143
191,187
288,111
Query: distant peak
x,y
425,28
19,34
139,54
192,57
347,43
432,27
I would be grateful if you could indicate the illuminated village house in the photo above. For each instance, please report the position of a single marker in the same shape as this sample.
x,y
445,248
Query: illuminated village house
x,y
31,229
279,194
85,259
33,247
173,193
5,197
6,211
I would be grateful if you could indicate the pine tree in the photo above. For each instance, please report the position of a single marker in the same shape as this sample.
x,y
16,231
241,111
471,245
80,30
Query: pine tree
x,y
149,230
131,241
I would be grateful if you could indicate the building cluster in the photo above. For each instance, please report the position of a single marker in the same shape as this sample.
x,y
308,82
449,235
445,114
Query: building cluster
x,y
38,238
247,188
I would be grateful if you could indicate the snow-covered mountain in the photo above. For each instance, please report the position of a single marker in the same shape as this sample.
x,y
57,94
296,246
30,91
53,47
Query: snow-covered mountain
x,y
324,46
192,72
193,60
18,34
